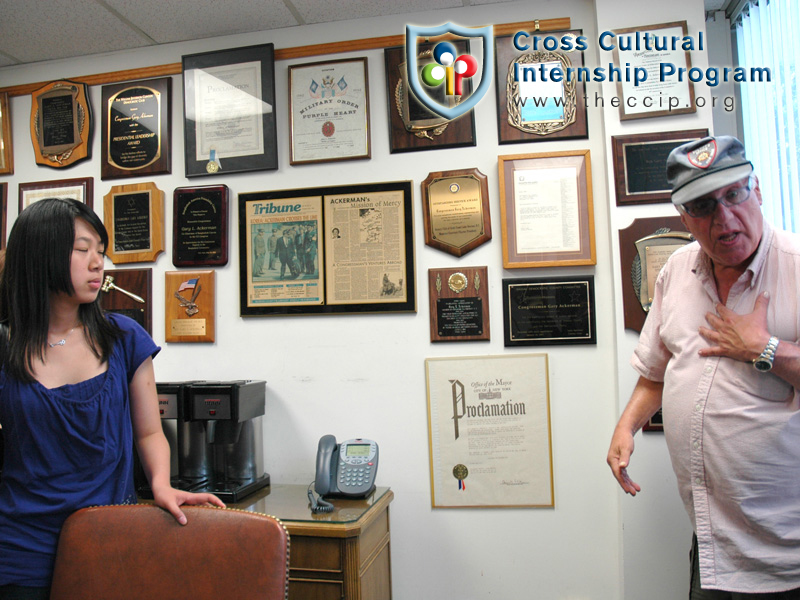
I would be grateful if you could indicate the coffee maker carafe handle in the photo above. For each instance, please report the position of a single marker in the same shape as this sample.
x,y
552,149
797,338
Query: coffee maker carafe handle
x,y
211,431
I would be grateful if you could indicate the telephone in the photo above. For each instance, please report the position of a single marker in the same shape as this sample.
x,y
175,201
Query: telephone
x,y
346,470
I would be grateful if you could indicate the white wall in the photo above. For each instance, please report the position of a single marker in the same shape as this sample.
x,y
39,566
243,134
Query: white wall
x,y
364,375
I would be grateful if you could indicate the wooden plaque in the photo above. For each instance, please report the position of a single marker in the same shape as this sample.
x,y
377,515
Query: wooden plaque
x,y
200,226
61,123
459,304
189,298
456,210
118,291
134,217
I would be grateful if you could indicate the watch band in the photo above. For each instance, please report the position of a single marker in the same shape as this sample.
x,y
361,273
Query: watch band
x,y
767,357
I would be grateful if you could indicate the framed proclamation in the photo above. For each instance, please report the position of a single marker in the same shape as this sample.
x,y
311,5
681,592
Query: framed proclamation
x,y
61,124
134,217
189,306
459,304
6,147
331,250
549,311
546,209
640,164
329,111
489,431
137,128
229,111
200,226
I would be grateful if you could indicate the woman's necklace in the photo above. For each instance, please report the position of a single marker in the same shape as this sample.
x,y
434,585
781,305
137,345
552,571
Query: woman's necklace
x,y
63,340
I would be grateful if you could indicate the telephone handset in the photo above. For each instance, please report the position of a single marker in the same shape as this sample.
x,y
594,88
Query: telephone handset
x,y
346,470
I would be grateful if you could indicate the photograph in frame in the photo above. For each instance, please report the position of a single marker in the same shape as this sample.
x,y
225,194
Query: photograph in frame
x,y
654,98
640,164
412,127
489,431
547,215
329,111
331,250
229,111
531,109
80,189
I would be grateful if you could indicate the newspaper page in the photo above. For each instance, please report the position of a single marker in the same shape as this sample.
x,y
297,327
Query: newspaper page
x,y
489,426
366,248
283,252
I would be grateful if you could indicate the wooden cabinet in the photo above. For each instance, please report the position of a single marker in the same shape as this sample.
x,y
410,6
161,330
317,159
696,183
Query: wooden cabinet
x,y
340,555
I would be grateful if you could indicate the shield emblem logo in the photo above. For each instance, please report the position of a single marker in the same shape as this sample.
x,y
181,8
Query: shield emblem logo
x,y
449,112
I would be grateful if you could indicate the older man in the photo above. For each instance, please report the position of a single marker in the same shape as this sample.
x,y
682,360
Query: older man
x,y
718,353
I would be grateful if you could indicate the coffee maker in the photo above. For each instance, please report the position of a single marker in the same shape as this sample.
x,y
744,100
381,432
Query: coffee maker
x,y
230,451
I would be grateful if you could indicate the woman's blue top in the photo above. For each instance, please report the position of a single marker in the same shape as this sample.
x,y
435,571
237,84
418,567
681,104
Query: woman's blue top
x,y
65,448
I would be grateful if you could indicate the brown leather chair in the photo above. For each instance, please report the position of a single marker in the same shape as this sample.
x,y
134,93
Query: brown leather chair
x,y
139,552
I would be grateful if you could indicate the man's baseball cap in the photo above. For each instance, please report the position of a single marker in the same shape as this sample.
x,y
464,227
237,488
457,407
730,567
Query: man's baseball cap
x,y
699,167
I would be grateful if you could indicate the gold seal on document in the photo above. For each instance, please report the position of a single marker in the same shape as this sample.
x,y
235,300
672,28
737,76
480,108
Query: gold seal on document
x,y
212,167
460,472
457,282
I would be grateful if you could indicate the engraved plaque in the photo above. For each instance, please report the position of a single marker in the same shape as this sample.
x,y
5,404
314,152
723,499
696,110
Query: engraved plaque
x,y
61,124
459,304
200,226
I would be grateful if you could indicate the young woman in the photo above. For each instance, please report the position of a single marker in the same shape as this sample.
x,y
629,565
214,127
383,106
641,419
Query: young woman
x,y
77,389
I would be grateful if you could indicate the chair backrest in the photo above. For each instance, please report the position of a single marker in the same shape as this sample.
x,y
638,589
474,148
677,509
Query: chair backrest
x,y
139,552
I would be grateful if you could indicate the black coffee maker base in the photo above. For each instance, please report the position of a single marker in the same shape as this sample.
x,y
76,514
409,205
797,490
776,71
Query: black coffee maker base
x,y
236,490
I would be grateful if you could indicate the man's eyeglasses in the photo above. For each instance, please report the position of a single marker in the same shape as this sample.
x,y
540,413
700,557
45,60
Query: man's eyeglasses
x,y
703,207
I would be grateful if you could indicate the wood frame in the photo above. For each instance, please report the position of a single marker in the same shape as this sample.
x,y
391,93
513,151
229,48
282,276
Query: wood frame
x,y
236,156
80,188
555,169
323,219
330,127
62,152
6,145
190,317
115,294
137,195
660,144
459,304
149,115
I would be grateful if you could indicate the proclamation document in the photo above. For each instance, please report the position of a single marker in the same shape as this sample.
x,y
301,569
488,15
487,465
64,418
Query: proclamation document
x,y
228,111
547,210
489,431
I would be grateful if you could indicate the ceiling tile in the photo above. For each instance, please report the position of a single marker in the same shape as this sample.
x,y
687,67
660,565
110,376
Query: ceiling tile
x,y
178,20
44,30
325,11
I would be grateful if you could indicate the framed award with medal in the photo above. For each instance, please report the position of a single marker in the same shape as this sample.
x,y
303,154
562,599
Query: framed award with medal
x,y
229,111
189,298
459,304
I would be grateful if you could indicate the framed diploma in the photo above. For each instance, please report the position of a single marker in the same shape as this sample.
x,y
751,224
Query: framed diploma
x,y
80,189
413,127
455,207
129,292
6,148
640,164
229,111
331,250
189,299
546,209
531,105
329,111
644,248
459,304
489,431
137,128
134,217
654,98
61,124
200,226
549,311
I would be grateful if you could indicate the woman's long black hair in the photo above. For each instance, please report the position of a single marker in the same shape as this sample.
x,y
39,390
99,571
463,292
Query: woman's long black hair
x,y
37,264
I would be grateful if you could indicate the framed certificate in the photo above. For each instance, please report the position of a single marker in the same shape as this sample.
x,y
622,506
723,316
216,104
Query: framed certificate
x,y
61,124
229,111
329,111
137,128
549,311
134,217
6,148
546,209
657,98
531,106
331,250
640,164
80,189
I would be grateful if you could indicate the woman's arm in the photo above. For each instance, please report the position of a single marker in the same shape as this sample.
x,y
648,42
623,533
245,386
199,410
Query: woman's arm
x,y
153,446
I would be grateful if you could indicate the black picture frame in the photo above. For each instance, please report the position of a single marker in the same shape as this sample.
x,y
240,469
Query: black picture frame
x,y
324,220
200,226
546,311
246,140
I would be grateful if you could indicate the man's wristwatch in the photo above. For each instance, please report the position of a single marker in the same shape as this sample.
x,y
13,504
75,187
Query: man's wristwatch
x,y
764,362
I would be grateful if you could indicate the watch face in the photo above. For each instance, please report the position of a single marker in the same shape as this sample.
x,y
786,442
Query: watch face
x,y
762,365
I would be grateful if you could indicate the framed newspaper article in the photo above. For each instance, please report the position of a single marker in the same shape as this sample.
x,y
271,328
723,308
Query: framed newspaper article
x,y
327,250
